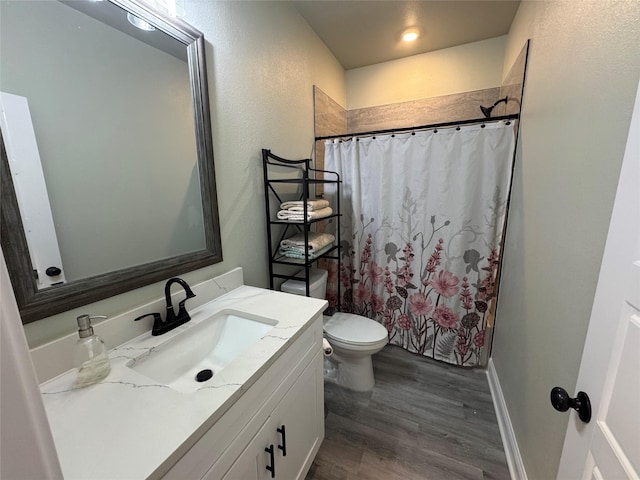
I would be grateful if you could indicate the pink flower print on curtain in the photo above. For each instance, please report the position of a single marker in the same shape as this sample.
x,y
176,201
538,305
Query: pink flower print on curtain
x,y
377,304
375,273
419,304
445,284
445,317
441,315
361,294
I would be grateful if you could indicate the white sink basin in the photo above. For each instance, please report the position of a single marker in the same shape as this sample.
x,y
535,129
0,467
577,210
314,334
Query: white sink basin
x,y
211,344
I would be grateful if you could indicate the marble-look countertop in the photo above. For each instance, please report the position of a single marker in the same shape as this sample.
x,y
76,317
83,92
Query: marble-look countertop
x,y
126,426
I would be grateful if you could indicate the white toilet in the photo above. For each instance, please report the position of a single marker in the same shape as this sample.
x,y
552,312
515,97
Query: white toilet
x,y
354,338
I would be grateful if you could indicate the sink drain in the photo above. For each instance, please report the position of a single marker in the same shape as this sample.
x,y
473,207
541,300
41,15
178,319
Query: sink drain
x,y
204,375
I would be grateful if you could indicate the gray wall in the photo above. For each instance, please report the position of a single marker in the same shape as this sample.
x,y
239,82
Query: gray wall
x,y
581,81
262,62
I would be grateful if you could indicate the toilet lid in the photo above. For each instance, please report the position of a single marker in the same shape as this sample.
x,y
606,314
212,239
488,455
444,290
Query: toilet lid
x,y
354,329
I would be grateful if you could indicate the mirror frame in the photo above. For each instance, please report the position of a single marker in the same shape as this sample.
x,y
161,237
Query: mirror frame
x,y
36,304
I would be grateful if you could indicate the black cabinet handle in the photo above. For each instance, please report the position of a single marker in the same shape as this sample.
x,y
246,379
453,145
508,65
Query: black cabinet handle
x,y
562,402
272,461
282,447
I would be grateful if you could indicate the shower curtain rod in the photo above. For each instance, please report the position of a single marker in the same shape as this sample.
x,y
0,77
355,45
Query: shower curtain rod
x,y
514,116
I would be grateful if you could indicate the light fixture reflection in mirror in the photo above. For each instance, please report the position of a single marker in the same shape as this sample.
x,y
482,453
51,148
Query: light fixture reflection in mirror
x,y
143,131
141,24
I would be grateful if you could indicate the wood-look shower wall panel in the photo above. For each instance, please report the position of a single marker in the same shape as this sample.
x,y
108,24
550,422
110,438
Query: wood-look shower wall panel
x,y
512,85
329,119
446,108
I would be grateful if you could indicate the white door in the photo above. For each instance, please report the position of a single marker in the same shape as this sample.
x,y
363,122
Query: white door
x,y
27,450
608,447
31,189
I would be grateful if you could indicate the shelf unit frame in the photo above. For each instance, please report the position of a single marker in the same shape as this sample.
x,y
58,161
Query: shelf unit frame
x,y
308,177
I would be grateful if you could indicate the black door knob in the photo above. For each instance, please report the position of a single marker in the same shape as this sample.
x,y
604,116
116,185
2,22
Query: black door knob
x,y
53,271
562,402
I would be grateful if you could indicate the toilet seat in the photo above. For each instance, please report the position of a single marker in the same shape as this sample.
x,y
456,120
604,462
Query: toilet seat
x,y
354,330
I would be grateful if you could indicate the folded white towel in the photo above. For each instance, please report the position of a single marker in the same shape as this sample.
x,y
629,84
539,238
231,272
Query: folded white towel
x,y
293,216
300,255
316,241
299,205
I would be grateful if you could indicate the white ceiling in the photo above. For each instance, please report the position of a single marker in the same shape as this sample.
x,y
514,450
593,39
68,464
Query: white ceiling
x,y
365,32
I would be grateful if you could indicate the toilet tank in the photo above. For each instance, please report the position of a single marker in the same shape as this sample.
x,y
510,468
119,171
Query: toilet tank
x,y
317,284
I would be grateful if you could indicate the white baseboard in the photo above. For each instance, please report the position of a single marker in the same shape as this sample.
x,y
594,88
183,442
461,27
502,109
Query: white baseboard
x,y
511,450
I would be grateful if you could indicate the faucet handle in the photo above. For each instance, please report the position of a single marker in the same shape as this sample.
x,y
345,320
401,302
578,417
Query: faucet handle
x,y
159,327
156,317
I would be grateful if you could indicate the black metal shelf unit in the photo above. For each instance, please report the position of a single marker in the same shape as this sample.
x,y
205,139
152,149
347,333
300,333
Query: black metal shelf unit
x,y
299,175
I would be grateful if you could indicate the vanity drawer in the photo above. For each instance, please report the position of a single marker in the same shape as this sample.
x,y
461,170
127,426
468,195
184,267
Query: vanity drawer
x,y
216,451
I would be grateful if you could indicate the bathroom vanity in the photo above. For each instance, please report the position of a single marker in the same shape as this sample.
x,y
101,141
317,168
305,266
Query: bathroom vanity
x,y
285,427
260,416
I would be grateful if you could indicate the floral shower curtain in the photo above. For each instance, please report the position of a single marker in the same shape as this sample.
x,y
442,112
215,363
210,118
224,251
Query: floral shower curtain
x,y
423,217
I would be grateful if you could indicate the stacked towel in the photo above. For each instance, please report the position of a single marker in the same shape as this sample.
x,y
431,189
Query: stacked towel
x,y
298,206
298,215
295,253
316,241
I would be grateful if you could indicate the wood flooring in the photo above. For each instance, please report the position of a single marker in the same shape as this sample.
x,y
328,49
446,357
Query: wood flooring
x,y
423,420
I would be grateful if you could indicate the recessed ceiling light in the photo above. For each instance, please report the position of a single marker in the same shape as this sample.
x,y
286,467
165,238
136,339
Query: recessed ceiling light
x,y
410,35
141,24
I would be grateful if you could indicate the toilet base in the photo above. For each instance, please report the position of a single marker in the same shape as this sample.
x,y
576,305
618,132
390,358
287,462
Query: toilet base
x,y
354,373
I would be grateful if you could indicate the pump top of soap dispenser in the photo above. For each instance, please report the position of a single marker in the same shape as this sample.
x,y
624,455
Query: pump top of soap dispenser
x,y
84,325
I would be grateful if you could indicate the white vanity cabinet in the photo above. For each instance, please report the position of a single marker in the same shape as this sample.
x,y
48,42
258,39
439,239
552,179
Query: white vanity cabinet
x,y
287,441
282,412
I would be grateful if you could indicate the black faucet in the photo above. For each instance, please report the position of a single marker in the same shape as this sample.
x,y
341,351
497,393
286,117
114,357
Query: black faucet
x,y
172,319
182,316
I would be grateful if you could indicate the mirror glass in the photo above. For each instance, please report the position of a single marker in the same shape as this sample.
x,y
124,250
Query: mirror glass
x,y
106,136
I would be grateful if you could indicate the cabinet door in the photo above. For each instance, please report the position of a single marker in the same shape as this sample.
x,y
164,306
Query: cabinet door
x,y
298,423
253,461
301,413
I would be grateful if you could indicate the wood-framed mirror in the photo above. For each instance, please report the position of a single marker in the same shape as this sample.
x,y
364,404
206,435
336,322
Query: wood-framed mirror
x,y
115,121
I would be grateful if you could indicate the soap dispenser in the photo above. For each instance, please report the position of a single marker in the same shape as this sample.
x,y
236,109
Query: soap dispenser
x,y
92,361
